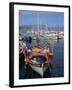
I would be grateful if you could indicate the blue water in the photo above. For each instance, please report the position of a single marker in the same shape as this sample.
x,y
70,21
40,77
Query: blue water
x,y
58,60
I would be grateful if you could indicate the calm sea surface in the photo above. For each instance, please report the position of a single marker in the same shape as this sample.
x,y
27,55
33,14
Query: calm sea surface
x,y
57,65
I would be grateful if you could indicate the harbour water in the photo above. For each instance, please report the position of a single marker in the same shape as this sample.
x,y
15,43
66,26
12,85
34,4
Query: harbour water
x,y
57,64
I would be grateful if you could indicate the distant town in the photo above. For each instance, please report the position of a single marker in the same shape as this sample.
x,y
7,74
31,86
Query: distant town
x,y
36,28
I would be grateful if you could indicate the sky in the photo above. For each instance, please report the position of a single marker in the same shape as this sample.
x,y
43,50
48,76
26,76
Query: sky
x,y
51,19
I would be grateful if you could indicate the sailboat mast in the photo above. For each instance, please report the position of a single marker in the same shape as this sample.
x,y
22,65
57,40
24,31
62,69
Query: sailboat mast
x,y
38,21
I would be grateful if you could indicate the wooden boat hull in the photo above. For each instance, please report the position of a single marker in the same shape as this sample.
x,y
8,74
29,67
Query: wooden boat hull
x,y
39,70
39,64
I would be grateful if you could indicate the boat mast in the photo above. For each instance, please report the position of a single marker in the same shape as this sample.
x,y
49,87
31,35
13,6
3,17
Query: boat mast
x,y
38,21
46,28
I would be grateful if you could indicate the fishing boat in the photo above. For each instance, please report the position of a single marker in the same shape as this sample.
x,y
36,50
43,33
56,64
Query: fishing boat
x,y
39,62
